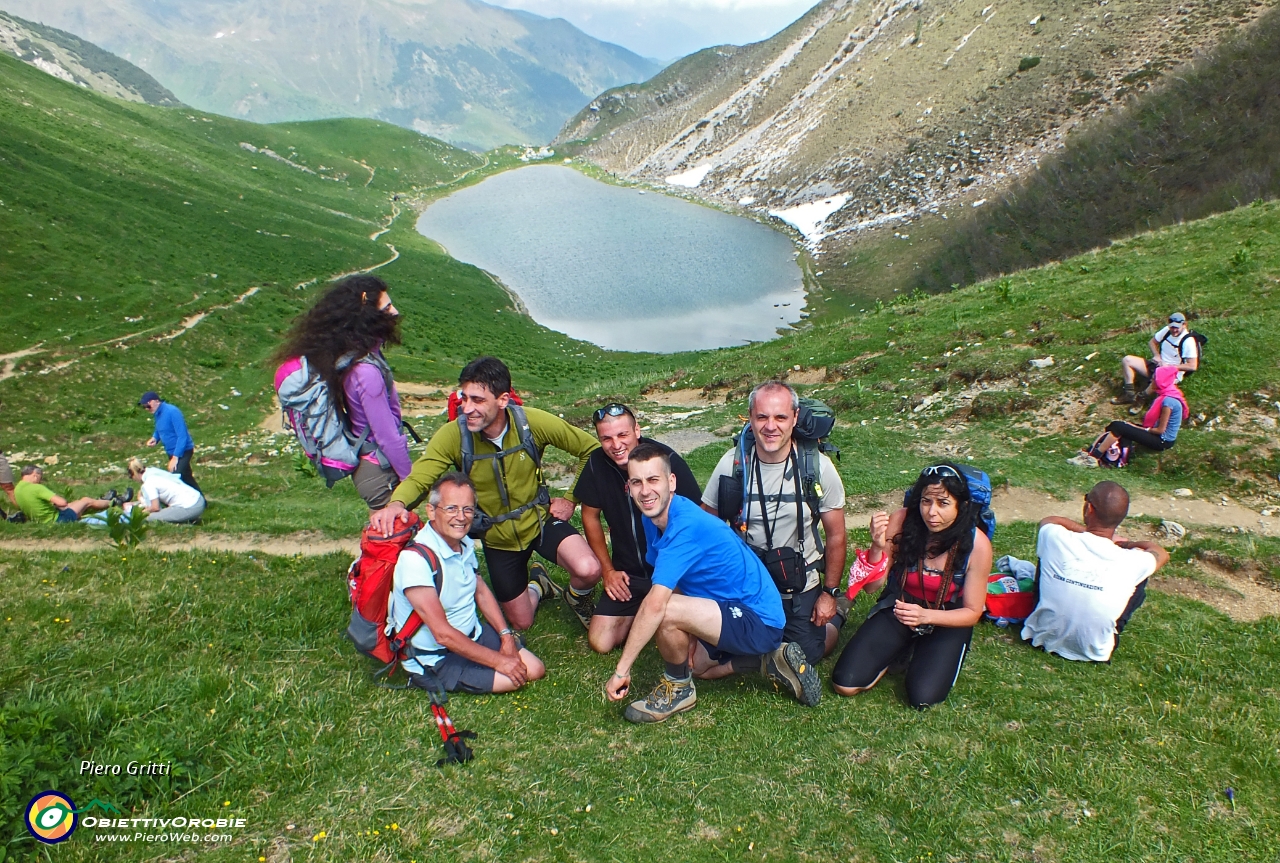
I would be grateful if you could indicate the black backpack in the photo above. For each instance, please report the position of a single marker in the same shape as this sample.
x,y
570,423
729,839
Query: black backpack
x,y
1201,341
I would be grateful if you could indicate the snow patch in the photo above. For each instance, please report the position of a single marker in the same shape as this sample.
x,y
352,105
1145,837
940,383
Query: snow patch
x,y
691,178
809,218
53,69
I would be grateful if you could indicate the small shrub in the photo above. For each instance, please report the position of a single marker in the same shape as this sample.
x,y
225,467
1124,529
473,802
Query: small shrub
x,y
126,530
1028,63
303,465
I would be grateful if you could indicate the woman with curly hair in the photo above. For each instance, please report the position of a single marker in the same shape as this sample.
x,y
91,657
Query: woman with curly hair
x,y
938,563
342,338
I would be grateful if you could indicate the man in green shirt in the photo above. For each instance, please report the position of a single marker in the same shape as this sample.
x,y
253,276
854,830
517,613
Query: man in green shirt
x,y
510,491
40,505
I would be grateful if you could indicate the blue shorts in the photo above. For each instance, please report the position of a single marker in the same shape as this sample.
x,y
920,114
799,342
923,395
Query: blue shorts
x,y
742,633
67,516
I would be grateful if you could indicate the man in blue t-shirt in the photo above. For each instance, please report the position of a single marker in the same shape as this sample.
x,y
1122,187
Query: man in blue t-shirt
x,y
727,600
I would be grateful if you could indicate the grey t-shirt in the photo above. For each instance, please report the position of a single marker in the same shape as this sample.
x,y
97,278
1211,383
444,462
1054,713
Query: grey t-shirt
x,y
779,504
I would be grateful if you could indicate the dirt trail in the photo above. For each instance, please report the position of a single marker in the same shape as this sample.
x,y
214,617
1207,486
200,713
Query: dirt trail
x,y
1025,504
11,361
306,543
1235,595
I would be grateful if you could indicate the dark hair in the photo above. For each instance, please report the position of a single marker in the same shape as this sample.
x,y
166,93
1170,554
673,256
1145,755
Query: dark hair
x,y
915,541
453,477
490,372
343,326
1110,501
648,451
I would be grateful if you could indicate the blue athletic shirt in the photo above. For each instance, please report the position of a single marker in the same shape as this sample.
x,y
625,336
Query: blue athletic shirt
x,y
700,555
171,430
1175,419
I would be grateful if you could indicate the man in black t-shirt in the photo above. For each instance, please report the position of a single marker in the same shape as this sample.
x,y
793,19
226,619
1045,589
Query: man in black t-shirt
x,y
602,488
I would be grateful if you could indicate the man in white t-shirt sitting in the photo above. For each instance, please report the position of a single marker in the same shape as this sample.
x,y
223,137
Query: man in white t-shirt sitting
x,y
460,651
1090,582
1172,345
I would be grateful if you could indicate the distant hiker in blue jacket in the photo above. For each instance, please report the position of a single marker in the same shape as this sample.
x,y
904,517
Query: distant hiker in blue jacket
x,y
171,430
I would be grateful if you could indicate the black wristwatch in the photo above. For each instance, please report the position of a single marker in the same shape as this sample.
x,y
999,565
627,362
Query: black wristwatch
x,y
833,592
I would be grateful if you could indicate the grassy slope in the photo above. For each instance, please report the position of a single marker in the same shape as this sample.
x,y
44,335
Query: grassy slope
x,y
276,719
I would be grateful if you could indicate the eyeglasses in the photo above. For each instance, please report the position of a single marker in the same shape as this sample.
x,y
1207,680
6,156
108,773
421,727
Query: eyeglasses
x,y
612,410
939,470
452,509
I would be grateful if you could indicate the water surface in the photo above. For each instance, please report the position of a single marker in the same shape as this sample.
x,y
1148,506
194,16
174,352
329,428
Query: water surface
x,y
624,269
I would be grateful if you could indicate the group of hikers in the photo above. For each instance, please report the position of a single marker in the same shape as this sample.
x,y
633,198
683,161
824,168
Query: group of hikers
x,y
746,576
169,495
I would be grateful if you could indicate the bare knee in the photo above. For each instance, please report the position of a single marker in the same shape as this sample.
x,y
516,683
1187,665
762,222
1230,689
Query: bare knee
x,y
518,614
533,665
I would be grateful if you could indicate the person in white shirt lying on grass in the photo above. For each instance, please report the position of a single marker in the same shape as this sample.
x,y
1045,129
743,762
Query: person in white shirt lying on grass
x,y
1090,583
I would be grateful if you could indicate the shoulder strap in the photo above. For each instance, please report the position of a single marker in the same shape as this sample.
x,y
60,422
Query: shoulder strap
x,y
468,445
526,433
809,483
414,622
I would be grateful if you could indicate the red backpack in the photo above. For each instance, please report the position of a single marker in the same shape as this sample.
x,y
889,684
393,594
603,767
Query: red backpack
x,y
369,582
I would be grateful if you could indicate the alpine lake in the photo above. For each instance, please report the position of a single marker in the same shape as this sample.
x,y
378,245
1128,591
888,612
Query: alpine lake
x,y
623,268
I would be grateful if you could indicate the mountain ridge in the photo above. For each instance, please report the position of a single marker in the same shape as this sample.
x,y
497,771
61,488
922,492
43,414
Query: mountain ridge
x,y
863,115
461,70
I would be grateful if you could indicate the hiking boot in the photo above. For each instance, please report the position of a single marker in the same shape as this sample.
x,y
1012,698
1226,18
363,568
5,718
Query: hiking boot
x,y
789,667
583,607
113,497
128,494
667,698
1083,459
538,575
1127,397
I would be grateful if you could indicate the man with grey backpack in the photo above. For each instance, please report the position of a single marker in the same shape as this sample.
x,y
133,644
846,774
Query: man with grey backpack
x,y
499,445
785,498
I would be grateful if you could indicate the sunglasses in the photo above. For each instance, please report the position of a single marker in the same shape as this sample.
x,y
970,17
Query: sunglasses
x,y
940,470
612,410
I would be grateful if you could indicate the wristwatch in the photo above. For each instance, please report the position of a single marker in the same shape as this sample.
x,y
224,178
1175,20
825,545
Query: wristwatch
x,y
502,632
833,592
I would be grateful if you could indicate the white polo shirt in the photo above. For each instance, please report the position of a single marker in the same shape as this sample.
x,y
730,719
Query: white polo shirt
x,y
457,592
168,488
1085,583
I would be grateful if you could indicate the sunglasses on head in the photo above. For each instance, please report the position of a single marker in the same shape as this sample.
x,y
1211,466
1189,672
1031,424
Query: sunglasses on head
x,y
612,410
940,470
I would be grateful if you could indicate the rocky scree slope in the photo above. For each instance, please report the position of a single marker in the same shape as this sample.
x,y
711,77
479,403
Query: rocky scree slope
x,y
867,113
464,71
76,61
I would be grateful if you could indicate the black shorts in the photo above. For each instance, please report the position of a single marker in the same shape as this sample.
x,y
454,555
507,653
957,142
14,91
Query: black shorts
x,y
509,570
800,629
459,674
609,607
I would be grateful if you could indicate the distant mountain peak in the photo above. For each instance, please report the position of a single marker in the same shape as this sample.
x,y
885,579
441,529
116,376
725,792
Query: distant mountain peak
x,y
66,56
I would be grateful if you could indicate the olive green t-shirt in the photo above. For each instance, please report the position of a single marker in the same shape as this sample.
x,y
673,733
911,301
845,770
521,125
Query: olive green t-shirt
x,y
35,502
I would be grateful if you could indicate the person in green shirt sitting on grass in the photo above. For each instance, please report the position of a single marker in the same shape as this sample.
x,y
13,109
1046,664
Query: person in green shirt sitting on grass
x,y
40,505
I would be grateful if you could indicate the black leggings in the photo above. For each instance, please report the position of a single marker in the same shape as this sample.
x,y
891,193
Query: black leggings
x,y
1139,435
935,661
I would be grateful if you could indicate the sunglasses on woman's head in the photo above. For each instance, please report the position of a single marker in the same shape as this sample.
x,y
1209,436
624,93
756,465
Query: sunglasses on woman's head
x,y
940,470
612,410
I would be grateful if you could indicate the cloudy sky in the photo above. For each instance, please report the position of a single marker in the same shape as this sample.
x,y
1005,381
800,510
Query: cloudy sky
x,y
668,29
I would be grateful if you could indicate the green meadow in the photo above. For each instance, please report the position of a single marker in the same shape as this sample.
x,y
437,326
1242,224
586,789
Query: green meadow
x,y
120,224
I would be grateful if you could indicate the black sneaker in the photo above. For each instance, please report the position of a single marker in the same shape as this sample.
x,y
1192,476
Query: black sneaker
x,y
128,494
583,607
538,575
667,699
113,497
788,667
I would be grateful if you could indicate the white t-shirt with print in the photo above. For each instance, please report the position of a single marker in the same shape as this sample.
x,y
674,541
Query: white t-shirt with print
x,y
168,488
1085,583
780,489
457,593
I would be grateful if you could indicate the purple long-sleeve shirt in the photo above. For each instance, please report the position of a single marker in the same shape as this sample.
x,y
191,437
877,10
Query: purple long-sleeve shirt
x,y
371,405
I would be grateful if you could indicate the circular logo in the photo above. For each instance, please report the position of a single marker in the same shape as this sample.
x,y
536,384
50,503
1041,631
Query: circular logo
x,y
51,817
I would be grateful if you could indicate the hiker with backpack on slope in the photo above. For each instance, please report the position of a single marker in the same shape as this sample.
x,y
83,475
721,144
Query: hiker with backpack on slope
x,y
337,391
783,495
1158,432
937,555
499,445
443,587
1173,345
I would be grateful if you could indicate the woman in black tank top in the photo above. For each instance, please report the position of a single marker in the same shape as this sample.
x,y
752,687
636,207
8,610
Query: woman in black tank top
x,y
937,587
